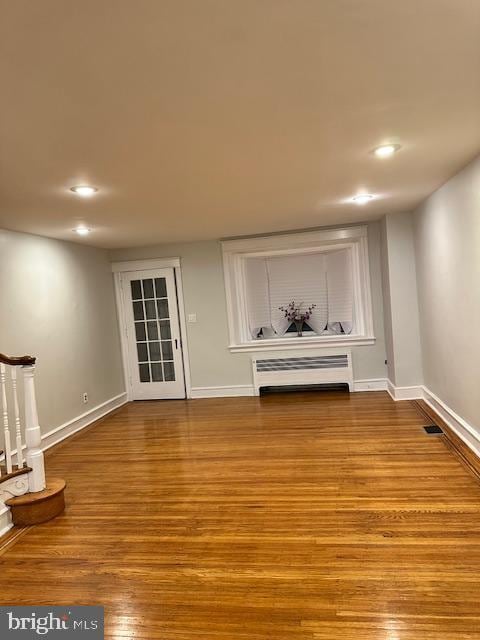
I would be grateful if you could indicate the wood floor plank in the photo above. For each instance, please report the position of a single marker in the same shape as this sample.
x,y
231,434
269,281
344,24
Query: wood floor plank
x,y
302,516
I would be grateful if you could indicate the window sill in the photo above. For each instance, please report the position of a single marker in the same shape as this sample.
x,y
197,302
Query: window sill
x,y
316,342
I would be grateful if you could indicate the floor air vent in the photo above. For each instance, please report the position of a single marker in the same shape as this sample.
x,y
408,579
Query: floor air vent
x,y
330,368
433,430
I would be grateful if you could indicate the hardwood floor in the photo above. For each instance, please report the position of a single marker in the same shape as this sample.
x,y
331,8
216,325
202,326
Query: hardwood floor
x,y
302,516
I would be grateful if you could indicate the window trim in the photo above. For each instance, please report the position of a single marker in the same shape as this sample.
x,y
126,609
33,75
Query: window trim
x,y
236,251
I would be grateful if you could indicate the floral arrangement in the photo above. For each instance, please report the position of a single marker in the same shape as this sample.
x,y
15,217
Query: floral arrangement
x,y
294,313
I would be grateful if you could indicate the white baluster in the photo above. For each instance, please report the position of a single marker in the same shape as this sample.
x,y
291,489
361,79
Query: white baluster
x,y
18,427
6,430
34,454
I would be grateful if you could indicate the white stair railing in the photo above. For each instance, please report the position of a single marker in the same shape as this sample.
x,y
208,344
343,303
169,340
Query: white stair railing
x,y
11,414
18,425
6,426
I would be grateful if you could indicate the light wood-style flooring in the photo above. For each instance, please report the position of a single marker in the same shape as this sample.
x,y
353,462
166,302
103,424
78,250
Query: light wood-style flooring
x,y
301,516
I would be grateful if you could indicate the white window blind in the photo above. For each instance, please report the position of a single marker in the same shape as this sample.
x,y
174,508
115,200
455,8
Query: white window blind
x,y
340,291
301,278
258,296
323,279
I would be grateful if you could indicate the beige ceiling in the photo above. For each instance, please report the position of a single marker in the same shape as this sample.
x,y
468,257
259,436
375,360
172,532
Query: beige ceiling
x,y
214,118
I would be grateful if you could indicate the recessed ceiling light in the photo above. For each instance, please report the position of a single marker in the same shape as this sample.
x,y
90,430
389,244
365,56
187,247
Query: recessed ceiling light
x,y
362,198
82,231
386,150
84,190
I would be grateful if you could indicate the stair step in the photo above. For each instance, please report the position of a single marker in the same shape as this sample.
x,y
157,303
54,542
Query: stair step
x,y
33,508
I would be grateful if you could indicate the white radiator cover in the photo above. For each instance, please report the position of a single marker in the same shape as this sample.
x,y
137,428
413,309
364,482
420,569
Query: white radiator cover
x,y
331,367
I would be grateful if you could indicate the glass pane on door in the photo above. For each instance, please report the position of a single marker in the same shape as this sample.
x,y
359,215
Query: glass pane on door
x,y
152,330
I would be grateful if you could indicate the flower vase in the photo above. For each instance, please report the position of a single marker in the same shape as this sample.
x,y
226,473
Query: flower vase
x,y
299,327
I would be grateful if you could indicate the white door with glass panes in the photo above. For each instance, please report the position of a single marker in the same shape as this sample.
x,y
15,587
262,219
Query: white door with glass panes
x,y
155,364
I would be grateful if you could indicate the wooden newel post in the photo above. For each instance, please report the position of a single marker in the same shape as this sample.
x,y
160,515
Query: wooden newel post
x,y
34,453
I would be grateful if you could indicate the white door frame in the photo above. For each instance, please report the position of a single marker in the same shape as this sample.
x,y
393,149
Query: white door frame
x,y
141,265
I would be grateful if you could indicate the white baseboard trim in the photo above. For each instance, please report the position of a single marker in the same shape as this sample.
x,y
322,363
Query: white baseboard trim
x,y
80,422
222,392
405,393
373,384
457,424
76,424
464,430
5,520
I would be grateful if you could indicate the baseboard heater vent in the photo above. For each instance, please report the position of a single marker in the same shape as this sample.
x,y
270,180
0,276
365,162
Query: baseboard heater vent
x,y
341,387
331,368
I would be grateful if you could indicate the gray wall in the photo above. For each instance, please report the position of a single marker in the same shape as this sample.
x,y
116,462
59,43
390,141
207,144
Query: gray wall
x,y
447,248
401,301
387,307
211,362
57,303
